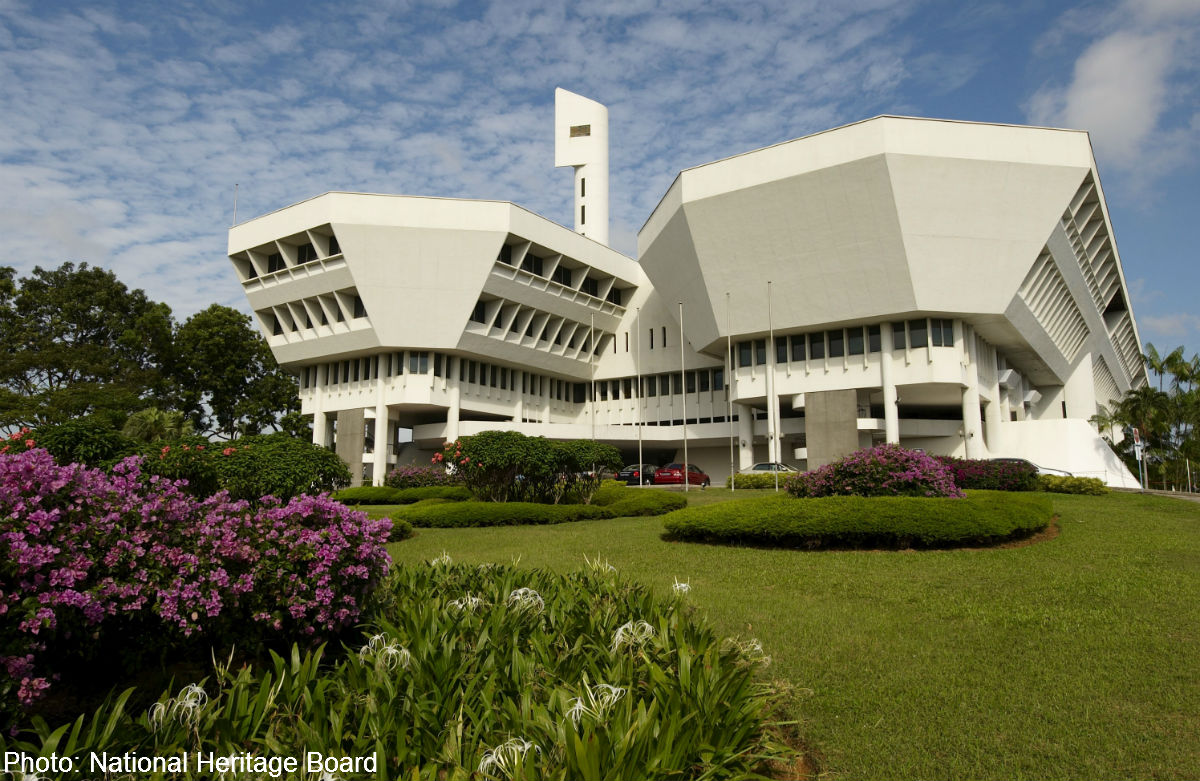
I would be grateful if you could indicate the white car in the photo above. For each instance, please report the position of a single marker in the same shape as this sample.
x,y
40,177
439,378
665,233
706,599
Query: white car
x,y
767,467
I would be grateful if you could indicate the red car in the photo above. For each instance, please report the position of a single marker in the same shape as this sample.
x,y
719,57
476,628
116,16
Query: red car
x,y
672,474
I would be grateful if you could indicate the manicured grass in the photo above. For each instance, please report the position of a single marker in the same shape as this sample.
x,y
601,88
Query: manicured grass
x,y
1074,657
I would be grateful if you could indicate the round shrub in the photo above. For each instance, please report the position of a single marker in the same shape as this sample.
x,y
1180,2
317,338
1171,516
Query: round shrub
x,y
85,441
82,551
983,517
1061,484
278,465
884,470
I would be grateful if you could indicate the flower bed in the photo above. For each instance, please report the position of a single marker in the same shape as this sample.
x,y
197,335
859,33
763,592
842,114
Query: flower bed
x,y
884,470
480,672
82,550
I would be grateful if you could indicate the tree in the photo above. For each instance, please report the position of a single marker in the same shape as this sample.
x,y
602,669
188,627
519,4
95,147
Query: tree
x,y
229,383
76,342
156,425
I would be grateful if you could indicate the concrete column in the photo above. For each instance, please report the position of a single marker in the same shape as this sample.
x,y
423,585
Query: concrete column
x,y
745,429
891,412
350,442
772,407
320,424
454,412
379,463
992,413
972,421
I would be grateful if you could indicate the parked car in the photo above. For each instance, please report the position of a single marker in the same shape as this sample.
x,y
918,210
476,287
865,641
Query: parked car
x,y
673,474
637,474
768,467
1041,470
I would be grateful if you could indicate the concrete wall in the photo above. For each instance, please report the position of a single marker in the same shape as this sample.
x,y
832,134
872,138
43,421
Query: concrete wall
x,y
831,425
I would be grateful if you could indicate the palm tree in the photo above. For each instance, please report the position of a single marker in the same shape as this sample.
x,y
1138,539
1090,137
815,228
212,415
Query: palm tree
x,y
156,425
1104,419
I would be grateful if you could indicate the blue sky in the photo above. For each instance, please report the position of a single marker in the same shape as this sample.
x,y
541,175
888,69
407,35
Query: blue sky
x,y
126,124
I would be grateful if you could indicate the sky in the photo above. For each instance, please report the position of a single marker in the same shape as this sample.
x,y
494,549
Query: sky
x,y
125,124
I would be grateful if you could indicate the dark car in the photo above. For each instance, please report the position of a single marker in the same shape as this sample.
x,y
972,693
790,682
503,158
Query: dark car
x,y
672,474
637,474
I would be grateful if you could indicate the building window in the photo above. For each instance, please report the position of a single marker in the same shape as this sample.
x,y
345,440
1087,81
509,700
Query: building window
x,y
306,253
604,391
275,262
590,286
651,386
437,365
690,382
504,379
664,330
873,339
899,340
582,187
797,347
562,275
651,338
704,380
816,346
471,371
578,393
855,338
614,296
479,313
359,309
354,369
533,264
583,214
493,376
418,363
837,343
276,327
334,247
676,383
781,349
744,355
505,255
760,352
941,332
917,336
719,378
580,131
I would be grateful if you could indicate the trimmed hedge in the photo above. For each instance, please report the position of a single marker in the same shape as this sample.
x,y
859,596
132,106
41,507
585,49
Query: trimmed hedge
x,y
378,494
758,480
1058,484
613,500
859,522
459,514
401,530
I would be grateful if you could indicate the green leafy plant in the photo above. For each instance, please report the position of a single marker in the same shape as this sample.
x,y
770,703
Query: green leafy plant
x,y
1060,484
370,494
853,521
477,672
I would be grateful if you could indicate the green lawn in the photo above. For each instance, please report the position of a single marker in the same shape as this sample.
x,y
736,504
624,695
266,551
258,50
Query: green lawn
x,y
1077,657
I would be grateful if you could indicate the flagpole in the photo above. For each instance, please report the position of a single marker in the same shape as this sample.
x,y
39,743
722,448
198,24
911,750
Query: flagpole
x,y
773,404
729,389
683,395
637,392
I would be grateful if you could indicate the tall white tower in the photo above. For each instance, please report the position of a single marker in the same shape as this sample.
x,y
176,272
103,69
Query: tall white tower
x,y
581,141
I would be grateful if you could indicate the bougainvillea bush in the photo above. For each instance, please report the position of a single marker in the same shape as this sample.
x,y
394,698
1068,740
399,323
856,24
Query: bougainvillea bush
x,y
84,553
885,470
413,476
991,474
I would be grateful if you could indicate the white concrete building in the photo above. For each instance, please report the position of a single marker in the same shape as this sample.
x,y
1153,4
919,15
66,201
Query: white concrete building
x,y
952,286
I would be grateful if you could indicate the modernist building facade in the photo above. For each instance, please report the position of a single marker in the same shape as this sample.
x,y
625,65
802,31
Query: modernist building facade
x,y
952,286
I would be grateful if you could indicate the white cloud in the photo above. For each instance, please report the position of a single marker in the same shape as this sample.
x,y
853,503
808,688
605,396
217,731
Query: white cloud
x,y
1126,84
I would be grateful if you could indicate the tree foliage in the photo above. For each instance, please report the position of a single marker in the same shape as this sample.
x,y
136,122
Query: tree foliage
x,y
229,383
76,342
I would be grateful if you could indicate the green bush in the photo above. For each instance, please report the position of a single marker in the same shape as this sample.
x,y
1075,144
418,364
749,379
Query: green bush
x,y
991,474
279,465
1058,484
371,494
474,672
757,480
85,441
401,530
503,466
458,514
626,502
983,517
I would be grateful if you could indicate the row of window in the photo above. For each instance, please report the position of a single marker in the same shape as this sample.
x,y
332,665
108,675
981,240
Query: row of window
x,y
495,376
294,324
839,342
479,315
305,253
561,274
